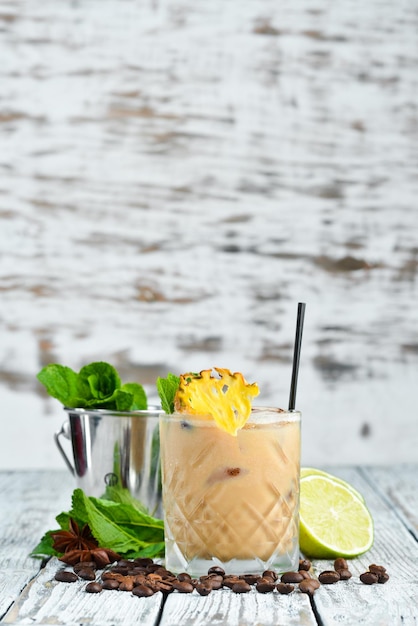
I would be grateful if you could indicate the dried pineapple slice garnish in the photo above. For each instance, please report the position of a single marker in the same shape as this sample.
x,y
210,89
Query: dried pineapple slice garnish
x,y
227,399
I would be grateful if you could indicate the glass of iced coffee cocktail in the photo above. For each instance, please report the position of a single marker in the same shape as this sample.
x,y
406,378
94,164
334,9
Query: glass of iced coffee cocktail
x,y
231,488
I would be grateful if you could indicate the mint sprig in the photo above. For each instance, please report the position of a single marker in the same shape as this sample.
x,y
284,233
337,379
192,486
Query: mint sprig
x,y
95,386
167,388
124,527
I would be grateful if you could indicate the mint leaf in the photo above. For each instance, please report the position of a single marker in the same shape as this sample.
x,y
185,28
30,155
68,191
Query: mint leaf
x,y
98,380
96,386
139,401
61,383
123,496
167,388
119,527
44,547
122,525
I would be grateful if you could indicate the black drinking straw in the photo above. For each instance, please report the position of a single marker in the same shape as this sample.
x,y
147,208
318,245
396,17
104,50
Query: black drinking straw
x,y
296,355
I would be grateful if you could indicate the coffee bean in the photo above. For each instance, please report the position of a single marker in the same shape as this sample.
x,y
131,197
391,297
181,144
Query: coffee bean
x,y
308,586
380,571
127,585
182,587
110,583
382,578
93,588
315,583
152,567
202,589
214,583
291,577
143,561
110,575
184,576
369,578
340,563
265,586
142,591
241,587
164,586
305,574
304,564
90,564
328,577
270,573
284,588
66,577
345,574
251,579
163,572
218,577
87,573
215,569
120,570
228,581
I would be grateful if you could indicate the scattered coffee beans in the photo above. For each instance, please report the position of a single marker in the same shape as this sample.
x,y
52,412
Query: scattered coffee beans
x,y
86,573
340,563
142,591
94,588
202,589
285,588
308,586
382,575
66,577
110,583
241,587
83,564
143,578
182,586
375,574
328,577
215,569
292,577
265,585
345,574
368,578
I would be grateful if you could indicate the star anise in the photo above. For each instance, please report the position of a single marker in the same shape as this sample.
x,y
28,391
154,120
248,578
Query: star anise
x,y
80,546
73,538
101,556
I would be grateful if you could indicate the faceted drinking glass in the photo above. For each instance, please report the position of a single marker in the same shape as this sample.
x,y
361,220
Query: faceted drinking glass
x,y
231,501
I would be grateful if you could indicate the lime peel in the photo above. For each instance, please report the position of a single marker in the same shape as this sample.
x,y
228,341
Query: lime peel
x,y
308,471
334,520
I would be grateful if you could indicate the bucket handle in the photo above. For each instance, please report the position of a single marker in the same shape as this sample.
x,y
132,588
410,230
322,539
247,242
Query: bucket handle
x,y
64,432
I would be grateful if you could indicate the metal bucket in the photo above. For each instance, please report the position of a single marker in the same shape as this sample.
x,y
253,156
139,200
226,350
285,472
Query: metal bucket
x,y
112,448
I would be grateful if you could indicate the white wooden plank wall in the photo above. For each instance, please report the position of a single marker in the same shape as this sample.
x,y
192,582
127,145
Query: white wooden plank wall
x,y
176,175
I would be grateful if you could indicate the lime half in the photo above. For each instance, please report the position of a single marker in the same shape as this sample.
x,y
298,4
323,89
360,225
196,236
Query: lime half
x,y
334,520
308,471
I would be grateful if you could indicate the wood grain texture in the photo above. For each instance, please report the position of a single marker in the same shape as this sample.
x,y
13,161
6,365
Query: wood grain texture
x,y
43,600
229,609
400,486
29,502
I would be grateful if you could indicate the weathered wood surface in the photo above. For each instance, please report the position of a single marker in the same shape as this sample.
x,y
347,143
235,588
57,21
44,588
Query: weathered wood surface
x,y
29,502
29,595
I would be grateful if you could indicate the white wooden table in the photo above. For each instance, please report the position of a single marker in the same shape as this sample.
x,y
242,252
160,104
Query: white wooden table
x,y
29,594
